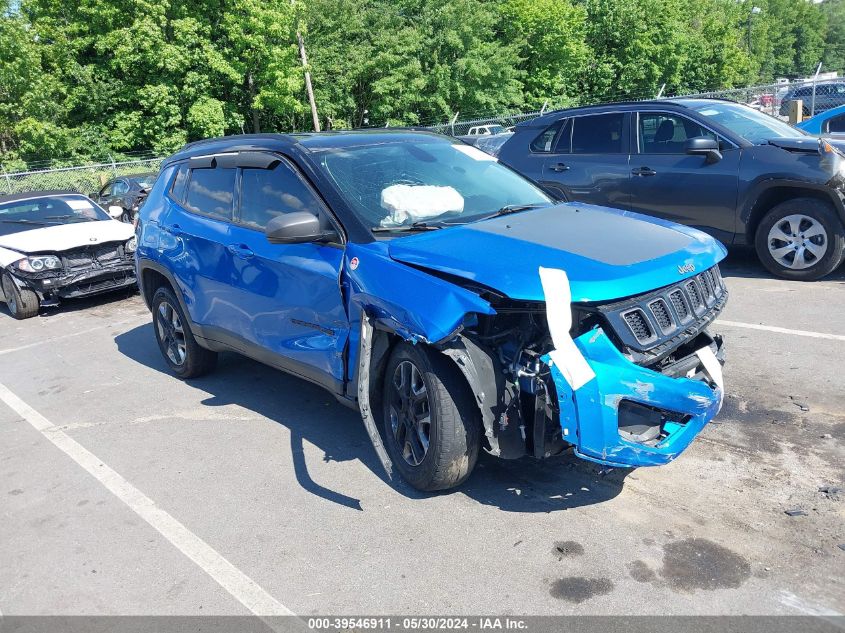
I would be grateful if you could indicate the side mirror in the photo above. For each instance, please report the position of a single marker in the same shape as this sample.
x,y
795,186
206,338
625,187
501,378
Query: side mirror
x,y
298,227
115,211
704,146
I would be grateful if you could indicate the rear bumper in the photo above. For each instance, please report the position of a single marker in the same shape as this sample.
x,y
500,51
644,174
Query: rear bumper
x,y
631,416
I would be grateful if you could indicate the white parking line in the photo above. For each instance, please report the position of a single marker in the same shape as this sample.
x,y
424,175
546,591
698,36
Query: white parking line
x,y
46,341
242,587
782,330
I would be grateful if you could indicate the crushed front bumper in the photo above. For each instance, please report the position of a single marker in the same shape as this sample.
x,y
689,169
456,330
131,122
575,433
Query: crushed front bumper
x,y
629,415
51,288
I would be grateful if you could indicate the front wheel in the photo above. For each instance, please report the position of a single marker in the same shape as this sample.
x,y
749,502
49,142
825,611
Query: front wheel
x,y
801,239
181,352
22,302
431,423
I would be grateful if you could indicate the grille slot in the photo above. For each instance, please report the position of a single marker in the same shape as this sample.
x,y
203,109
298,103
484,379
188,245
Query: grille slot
x,y
696,299
680,305
639,325
661,314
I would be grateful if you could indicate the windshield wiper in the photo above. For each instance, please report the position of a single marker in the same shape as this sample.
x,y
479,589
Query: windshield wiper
x,y
74,217
405,228
26,222
514,208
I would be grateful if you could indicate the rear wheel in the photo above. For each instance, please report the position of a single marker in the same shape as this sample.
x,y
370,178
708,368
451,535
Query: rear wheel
x,y
183,355
23,303
801,239
431,423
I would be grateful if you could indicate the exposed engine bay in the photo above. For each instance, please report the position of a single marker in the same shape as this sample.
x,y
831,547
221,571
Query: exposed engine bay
x,y
505,357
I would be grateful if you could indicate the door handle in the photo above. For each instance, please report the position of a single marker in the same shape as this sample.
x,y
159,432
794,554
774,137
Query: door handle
x,y
559,167
174,229
643,171
240,250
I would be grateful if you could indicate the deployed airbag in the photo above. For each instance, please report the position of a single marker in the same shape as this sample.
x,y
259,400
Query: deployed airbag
x,y
411,203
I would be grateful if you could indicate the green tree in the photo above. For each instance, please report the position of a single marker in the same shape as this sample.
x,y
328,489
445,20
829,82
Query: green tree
x,y
550,36
834,45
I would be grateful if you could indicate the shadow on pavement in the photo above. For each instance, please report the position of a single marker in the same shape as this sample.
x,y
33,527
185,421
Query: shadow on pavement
x,y
312,414
743,262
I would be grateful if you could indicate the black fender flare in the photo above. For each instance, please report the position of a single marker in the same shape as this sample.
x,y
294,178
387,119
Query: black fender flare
x,y
146,264
750,216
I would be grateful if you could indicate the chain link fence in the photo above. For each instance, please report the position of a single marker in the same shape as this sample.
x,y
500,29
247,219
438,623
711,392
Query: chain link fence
x,y
85,179
816,95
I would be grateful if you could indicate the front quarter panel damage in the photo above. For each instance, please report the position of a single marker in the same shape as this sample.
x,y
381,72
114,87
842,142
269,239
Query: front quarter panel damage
x,y
416,306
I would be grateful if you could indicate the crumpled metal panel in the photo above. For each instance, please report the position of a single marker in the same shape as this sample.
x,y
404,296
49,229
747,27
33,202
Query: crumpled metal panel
x,y
589,416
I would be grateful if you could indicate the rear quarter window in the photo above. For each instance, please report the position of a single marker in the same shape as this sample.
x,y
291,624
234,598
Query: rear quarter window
x,y
177,190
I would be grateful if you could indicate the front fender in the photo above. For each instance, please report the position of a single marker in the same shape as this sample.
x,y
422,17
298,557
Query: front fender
x,y
413,304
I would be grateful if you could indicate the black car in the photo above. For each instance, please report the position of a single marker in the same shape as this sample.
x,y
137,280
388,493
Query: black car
x,y
741,175
127,193
829,94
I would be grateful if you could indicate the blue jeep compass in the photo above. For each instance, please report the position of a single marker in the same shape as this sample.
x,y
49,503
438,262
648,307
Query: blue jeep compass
x,y
450,300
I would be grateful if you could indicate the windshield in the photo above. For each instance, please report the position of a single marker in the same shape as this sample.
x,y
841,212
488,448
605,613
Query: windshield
x,y
424,180
146,182
32,213
750,124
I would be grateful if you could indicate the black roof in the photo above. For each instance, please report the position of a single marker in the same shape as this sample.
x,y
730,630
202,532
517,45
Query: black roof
x,y
14,197
679,103
306,141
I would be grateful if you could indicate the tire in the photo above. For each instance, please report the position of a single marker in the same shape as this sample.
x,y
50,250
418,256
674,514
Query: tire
x,y
454,427
801,239
183,355
23,303
126,217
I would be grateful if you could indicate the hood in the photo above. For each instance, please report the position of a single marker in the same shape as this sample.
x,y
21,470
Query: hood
x,y
606,253
808,144
67,236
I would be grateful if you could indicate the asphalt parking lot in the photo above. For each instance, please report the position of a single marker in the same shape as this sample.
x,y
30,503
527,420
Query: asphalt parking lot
x,y
126,491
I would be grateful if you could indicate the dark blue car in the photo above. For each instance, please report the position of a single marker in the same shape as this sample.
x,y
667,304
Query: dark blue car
x,y
449,299
742,176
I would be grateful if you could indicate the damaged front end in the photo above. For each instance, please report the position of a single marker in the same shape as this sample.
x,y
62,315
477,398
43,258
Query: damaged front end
x,y
75,273
654,374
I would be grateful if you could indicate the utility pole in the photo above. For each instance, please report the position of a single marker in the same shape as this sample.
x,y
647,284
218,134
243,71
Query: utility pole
x,y
308,87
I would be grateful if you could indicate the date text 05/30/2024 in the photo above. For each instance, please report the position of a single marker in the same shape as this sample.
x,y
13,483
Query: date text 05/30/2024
x,y
481,623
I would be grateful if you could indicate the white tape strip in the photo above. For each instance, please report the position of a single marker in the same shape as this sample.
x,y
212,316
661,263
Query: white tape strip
x,y
714,368
566,355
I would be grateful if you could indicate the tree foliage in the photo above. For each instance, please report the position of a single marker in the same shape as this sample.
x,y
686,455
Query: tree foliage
x,y
99,78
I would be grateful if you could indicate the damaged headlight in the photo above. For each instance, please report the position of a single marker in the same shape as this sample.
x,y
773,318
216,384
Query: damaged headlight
x,y
39,263
131,245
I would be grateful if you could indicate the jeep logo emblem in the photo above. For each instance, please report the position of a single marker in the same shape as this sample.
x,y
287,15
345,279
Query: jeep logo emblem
x,y
686,268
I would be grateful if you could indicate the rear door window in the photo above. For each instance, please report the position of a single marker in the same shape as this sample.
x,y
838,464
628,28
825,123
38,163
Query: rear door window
x,y
598,134
211,192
